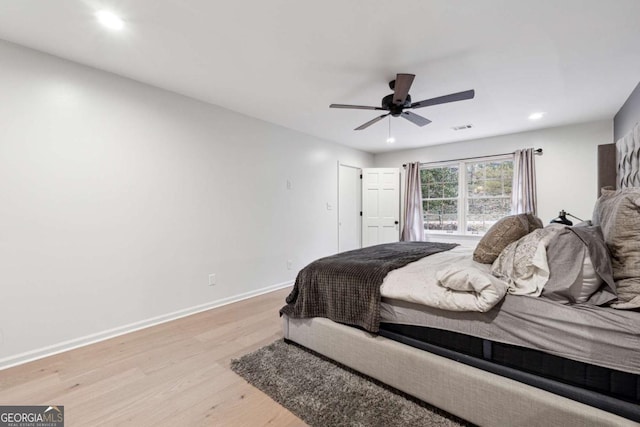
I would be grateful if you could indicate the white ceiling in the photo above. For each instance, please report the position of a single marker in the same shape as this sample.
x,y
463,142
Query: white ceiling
x,y
285,61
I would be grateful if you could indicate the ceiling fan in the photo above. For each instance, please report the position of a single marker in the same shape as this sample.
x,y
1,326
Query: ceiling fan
x,y
400,100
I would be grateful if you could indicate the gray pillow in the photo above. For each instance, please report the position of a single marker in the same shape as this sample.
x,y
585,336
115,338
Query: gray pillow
x,y
505,231
579,267
618,213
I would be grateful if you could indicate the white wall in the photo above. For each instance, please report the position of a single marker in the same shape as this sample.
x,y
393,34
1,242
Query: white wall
x,y
566,172
118,199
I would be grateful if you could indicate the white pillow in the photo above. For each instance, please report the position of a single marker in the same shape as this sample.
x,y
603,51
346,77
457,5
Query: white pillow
x,y
523,263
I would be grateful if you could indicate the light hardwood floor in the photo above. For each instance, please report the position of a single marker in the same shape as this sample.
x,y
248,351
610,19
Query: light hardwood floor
x,y
173,374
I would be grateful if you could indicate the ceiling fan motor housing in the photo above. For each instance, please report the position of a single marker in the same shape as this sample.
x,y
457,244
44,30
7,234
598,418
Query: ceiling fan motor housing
x,y
396,110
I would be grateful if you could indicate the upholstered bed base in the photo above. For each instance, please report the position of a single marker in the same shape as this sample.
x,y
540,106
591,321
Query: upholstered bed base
x,y
470,393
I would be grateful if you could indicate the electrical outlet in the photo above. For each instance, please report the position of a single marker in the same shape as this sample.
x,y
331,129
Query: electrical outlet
x,y
289,264
212,279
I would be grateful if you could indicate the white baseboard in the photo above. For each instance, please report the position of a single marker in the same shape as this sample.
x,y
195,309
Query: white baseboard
x,y
50,350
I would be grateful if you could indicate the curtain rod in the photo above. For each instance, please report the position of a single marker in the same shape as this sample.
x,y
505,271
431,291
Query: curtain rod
x,y
537,152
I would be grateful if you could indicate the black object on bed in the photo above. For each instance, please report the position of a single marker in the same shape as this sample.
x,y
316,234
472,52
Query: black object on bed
x,y
607,389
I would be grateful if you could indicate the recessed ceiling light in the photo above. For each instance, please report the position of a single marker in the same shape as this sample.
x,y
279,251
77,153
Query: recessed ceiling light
x,y
537,116
391,140
110,20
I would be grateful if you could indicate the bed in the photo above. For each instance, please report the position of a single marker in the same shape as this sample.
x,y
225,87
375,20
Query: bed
x,y
522,361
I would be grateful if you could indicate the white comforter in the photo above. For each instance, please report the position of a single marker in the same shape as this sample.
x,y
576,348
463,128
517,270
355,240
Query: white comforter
x,y
448,280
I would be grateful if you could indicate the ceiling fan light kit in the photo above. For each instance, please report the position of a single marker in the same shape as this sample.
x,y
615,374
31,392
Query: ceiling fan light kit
x,y
396,102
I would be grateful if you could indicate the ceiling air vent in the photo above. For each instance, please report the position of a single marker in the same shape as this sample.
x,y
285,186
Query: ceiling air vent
x,y
463,127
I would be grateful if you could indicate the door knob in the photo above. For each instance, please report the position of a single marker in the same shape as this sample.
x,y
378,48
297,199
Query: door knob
x,y
396,222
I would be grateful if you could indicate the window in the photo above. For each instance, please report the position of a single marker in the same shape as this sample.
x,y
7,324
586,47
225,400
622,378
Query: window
x,y
466,197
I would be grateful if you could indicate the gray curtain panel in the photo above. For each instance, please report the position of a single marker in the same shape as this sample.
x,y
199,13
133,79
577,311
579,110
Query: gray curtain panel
x,y
413,220
523,198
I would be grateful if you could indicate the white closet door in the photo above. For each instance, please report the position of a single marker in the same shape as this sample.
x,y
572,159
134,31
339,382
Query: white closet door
x,y
380,206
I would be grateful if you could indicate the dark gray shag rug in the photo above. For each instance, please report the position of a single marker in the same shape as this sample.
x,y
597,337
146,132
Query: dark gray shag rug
x,y
324,393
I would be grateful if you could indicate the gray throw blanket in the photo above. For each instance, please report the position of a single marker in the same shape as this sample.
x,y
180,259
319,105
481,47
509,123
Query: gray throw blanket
x,y
346,287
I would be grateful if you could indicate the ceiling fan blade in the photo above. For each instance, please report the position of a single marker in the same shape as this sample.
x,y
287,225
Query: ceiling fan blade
x,y
401,88
415,119
370,122
356,107
459,96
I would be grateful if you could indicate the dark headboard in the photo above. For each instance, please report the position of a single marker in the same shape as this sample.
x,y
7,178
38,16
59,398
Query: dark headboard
x,y
606,166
